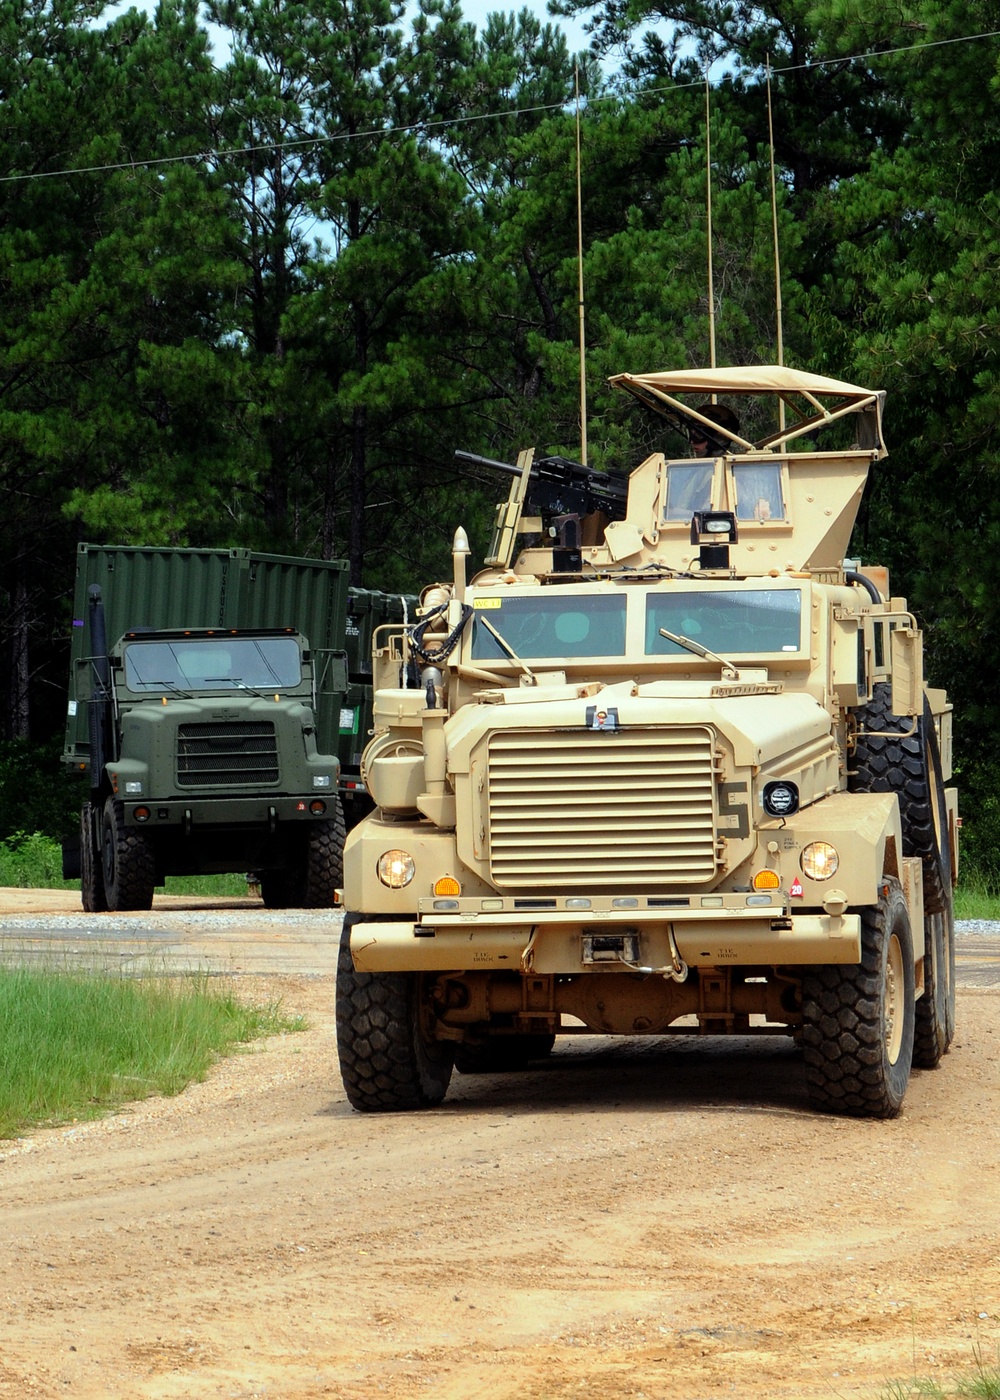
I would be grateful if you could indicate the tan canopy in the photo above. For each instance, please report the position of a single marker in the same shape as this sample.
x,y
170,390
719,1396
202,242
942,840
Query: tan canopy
x,y
744,379
657,390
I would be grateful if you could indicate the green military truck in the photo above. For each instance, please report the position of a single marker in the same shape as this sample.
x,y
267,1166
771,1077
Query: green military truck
x,y
206,699
669,766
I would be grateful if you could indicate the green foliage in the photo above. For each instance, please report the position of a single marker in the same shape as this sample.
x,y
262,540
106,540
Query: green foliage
x,y
37,793
75,1047
32,861
281,345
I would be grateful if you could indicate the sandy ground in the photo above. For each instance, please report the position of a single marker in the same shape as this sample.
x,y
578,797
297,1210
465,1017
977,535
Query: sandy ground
x,y
661,1219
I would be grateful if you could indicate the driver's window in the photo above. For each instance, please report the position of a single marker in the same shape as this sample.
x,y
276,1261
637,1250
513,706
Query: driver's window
x,y
689,489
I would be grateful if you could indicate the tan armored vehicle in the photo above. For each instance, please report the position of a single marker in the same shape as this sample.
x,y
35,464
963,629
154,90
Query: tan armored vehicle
x,y
666,765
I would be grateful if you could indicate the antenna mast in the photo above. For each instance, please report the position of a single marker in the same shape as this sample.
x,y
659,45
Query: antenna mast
x,y
777,256
708,208
579,266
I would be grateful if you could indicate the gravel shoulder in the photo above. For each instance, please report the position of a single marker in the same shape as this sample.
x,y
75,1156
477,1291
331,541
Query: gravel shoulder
x,y
661,1219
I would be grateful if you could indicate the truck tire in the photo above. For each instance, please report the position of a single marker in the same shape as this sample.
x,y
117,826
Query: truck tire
x,y
388,1061
324,861
858,1020
127,862
909,766
935,1011
92,894
502,1053
319,872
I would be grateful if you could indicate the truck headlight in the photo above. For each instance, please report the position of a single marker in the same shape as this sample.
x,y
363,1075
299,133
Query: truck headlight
x,y
321,780
396,869
780,799
133,789
819,860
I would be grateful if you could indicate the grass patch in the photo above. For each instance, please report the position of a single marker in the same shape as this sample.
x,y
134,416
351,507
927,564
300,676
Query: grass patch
x,y
974,899
31,861
75,1047
981,1383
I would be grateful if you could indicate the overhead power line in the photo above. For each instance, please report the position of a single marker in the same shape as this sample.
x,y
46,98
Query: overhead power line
x,y
230,153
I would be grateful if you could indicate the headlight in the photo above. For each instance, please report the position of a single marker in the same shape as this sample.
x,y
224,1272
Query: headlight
x,y
819,860
396,869
780,799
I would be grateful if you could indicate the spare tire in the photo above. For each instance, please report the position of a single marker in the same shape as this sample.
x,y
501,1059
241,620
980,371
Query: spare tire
x,y
888,758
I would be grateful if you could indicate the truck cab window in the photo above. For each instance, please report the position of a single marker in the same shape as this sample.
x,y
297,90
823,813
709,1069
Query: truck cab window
x,y
738,622
758,491
232,663
689,488
560,627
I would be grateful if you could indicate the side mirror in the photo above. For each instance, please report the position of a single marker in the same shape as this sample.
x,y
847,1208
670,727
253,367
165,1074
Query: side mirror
x,y
907,675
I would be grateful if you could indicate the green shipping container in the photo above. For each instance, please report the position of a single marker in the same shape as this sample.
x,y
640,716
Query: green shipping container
x,y
368,609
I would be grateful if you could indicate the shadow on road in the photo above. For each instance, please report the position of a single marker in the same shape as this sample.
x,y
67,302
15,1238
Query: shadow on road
x,y
667,1073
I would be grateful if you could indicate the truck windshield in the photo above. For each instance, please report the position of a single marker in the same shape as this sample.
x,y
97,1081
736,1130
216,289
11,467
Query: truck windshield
x,y
735,623
213,663
563,625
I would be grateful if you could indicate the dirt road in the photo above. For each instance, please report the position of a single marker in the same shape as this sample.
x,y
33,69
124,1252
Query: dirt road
x,y
632,1220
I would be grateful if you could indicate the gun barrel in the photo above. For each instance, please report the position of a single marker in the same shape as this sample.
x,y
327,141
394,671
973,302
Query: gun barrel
x,y
478,461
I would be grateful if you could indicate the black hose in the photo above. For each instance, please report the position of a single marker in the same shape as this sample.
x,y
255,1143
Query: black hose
x,y
853,576
441,653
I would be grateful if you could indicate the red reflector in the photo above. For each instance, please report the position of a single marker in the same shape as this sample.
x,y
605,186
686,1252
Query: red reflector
x,y
317,807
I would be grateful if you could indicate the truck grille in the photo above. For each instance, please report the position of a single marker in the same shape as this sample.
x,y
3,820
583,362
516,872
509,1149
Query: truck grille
x,y
227,755
584,811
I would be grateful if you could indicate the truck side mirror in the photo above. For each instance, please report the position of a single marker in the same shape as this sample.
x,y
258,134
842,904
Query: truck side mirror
x,y
907,670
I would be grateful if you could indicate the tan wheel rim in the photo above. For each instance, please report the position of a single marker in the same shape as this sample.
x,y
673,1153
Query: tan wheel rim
x,y
894,993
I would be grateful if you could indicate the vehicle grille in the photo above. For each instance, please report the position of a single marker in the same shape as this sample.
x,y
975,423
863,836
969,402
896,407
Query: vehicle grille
x,y
227,755
584,811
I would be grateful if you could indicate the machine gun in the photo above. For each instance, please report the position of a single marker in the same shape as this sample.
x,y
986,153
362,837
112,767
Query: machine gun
x,y
564,493
559,486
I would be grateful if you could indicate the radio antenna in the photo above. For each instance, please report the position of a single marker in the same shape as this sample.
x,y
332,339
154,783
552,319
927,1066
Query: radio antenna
x,y
777,254
579,266
708,209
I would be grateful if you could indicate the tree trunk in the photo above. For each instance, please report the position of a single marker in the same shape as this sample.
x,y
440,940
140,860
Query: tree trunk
x,y
18,708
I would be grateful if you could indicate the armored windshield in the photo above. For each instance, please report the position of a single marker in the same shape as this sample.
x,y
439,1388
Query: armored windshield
x,y
563,625
213,663
736,623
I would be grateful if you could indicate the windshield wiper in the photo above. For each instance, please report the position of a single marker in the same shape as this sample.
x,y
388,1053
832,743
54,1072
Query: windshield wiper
x,y
509,650
728,669
236,682
172,686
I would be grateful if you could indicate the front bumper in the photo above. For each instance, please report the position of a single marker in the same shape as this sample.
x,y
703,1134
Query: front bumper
x,y
202,812
549,942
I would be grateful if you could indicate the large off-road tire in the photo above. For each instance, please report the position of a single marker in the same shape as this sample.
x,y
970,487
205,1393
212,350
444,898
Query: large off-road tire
x,y
858,1020
324,861
935,1011
92,895
318,873
502,1053
127,862
388,1059
909,766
